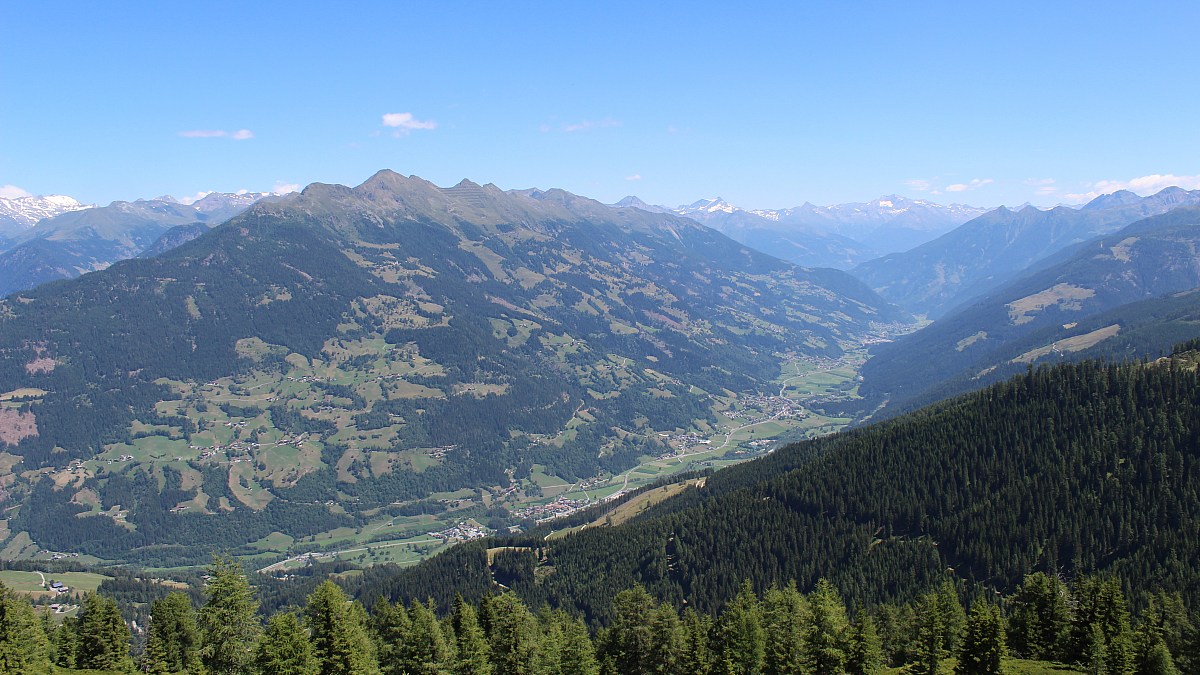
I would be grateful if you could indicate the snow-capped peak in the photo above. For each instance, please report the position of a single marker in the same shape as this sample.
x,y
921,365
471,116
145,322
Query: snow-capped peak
x,y
24,212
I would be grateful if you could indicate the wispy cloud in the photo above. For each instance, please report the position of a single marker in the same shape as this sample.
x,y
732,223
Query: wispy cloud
x,y
588,125
974,184
405,123
283,188
13,192
919,184
239,135
636,176
1142,185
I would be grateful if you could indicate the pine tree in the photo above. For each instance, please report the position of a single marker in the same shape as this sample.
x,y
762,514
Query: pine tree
x,y
982,645
512,635
740,633
472,654
825,640
866,649
228,621
627,644
284,648
697,656
785,617
24,647
390,625
930,645
174,642
425,650
1039,617
577,655
103,636
339,632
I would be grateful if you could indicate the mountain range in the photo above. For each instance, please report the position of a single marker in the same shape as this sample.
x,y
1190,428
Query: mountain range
x,y
378,344
839,236
21,213
990,250
75,239
1123,295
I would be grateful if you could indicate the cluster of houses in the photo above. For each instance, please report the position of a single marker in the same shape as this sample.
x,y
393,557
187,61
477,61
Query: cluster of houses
x,y
683,442
464,531
561,506
759,408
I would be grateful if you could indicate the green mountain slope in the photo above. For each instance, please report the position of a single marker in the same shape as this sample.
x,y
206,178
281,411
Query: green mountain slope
x,y
320,358
1075,469
1071,308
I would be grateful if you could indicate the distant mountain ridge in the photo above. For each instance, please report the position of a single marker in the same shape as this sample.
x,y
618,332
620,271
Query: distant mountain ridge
x,y
986,252
80,240
20,213
1140,280
839,236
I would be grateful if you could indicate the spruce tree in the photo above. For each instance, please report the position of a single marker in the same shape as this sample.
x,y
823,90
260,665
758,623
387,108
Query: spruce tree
x,y
982,647
472,653
1039,617
786,618
103,636
866,649
338,628
512,635
826,639
24,647
390,625
425,650
740,633
284,648
627,643
929,646
697,656
174,642
228,621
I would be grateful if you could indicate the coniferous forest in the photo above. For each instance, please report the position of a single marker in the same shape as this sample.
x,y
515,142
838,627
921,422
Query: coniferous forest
x,y
1086,624
1052,518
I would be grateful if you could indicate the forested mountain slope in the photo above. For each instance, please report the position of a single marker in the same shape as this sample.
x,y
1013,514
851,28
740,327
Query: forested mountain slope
x,y
1073,469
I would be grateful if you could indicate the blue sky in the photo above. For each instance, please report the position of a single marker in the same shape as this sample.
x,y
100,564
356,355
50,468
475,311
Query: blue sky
x,y
768,106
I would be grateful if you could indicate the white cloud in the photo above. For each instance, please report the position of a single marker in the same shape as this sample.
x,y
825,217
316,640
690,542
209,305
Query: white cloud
x,y
588,125
636,176
405,123
239,135
919,184
285,188
974,184
1142,185
13,192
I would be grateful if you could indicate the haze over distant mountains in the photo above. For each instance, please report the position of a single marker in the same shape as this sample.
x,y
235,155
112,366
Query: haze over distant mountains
x,y
1122,295
839,236
993,248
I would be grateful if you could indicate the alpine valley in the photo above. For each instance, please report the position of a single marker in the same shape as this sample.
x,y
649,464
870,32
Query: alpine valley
x,y
360,364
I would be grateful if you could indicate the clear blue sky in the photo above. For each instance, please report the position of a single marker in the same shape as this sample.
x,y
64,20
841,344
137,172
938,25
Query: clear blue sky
x,y
767,106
